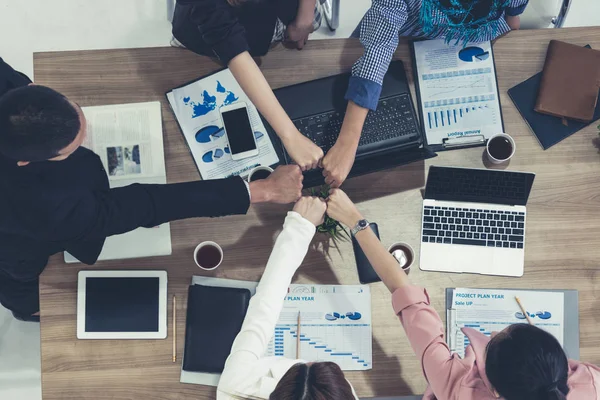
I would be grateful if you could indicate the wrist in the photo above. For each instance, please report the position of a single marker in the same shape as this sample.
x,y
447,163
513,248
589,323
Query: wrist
x,y
353,219
260,191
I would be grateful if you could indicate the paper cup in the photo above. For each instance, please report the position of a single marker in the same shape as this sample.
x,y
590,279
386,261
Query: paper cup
x,y
495,160
257,169
204,244
404,260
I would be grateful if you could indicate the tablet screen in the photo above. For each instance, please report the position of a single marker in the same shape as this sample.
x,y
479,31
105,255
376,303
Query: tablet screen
x,y
122,304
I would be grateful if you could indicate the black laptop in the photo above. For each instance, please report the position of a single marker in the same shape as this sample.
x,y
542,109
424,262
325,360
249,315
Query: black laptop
x,y
391,134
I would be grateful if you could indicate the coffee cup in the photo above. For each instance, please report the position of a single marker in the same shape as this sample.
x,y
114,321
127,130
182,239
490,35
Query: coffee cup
x,y
208,255
404,254
259,173
500,148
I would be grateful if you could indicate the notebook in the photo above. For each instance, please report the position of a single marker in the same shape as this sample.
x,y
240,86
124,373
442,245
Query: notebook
x,y
214,318
549,130
570,82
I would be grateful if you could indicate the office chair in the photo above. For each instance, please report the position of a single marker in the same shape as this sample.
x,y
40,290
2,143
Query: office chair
x,y
545,14
331,12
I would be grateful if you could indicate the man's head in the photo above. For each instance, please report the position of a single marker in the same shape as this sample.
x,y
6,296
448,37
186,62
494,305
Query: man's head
x,y
38,124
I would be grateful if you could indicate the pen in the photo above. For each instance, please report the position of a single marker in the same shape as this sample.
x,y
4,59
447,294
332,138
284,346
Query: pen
x,y
523,310
298,338
174,329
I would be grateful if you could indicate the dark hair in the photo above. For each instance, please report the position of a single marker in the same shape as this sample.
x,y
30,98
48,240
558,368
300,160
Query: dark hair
x,y
316,381
527,363
36,123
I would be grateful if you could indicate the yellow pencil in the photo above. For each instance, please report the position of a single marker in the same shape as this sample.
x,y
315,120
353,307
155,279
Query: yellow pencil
x,y
298,338
174,329
523,310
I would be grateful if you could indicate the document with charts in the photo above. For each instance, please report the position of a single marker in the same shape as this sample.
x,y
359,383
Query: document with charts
x,y
491,310
458,93
335,325
196,107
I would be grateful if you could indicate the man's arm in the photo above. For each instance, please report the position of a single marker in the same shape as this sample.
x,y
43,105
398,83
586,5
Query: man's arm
x,y
379,37
513,11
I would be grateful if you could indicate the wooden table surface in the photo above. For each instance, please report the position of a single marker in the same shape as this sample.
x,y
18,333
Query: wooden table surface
x,y
562,224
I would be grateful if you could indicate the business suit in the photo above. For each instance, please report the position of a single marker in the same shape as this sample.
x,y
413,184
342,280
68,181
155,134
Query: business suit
x,y
53,206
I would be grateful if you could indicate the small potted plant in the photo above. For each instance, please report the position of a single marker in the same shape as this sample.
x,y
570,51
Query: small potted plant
x,y
330,226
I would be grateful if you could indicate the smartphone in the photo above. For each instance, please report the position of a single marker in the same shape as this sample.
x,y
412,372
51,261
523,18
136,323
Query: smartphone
x,y
366,273
238,128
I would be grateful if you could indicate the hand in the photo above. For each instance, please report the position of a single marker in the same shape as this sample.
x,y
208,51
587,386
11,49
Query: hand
x,y
341,208
283,186
298,32
513,21
312,208
303,151
338,162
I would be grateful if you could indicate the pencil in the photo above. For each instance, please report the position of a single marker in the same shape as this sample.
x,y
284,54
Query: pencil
x,y
174,329
298,338
523,310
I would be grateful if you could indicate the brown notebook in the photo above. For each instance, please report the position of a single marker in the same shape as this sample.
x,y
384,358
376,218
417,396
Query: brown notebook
x,y
570,82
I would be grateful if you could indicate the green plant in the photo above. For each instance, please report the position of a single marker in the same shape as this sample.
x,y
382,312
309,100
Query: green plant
x,y
330,226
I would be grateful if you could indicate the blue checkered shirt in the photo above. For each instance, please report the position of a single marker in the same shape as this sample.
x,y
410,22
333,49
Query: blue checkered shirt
x,y
381,27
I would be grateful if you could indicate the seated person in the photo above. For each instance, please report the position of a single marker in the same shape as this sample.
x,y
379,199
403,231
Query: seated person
x,y
54,194
457,21
236,30
250,375
522,362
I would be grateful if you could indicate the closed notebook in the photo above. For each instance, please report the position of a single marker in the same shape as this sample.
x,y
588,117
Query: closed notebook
x,y
549,130
570,82
214,318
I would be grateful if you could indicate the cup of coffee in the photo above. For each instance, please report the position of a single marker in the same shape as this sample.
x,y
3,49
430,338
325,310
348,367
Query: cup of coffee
x,y
404,254
500,148
208,255
259,173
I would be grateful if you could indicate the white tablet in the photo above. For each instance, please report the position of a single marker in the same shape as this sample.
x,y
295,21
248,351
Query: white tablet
x,y
122,305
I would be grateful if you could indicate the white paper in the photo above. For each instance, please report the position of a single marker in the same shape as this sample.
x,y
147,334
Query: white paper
x,y
128,138
196,107
458,90
335,325
492,310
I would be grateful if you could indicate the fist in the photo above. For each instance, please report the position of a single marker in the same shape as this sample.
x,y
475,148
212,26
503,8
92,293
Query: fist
x,y
341,208
303,151
312,208
285,184
337,163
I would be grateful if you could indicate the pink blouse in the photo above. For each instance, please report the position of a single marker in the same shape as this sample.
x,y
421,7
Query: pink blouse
x,y
453,378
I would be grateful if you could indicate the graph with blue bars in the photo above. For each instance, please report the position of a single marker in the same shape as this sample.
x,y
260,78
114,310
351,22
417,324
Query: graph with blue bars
x,y
460,112
348,345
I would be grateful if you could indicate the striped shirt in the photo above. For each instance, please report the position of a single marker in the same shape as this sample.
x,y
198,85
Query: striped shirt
x,y
380,29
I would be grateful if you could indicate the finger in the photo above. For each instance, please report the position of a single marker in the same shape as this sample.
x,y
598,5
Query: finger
x,y
329,180
321,162
300,44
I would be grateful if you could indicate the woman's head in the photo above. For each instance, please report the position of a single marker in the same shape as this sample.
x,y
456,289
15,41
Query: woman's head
x,y
524,362
313,381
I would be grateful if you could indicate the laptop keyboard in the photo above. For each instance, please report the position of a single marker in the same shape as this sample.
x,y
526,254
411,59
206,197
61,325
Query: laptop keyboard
x,y
393,123
475,227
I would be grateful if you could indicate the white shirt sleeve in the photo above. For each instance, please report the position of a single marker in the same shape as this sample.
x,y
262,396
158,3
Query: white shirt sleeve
x,y
265,306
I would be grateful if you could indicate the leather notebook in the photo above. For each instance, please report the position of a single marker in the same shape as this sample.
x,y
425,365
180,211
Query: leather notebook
x,y
570,82
549,130
214,318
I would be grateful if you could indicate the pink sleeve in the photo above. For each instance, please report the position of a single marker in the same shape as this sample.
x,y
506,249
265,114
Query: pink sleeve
x,y
425,331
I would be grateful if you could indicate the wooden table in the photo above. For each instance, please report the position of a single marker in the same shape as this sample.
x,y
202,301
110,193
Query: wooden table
x,y
562,230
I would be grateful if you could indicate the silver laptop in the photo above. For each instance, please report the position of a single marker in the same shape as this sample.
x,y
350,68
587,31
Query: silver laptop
x,y
474,221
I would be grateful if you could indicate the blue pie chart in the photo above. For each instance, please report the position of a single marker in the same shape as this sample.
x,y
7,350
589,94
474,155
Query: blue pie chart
x,y
473,54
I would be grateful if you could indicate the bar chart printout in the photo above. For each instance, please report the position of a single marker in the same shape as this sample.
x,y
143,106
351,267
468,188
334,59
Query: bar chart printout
x,y
335,325
458,90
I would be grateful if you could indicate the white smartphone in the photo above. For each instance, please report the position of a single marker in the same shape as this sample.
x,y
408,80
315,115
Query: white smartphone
x,y
238,128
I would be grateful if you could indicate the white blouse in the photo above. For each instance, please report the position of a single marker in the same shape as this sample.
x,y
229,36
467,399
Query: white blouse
x,y
248,374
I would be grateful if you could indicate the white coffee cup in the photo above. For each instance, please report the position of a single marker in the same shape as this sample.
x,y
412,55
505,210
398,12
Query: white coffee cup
x,y
205,244
404,260
259,168
495,160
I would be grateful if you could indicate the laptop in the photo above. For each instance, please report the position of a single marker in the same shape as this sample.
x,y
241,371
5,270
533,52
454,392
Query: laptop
x,y
474,221
391,135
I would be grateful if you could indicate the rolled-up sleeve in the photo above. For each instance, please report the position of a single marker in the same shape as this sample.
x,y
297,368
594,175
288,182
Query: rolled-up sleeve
x,y
219,27
516,7
425,331
379,36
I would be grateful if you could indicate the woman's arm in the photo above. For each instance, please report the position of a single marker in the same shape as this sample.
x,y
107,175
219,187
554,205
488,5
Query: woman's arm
x,y
421,322
304,152
263,312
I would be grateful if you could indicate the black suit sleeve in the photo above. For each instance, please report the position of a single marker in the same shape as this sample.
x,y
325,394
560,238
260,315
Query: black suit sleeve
x,y
11,79
93,215
218,27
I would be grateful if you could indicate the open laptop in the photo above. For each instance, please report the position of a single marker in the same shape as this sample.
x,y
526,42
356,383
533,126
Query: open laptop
x,y
474,221
391,134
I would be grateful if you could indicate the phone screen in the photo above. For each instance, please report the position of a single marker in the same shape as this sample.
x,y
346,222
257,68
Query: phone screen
x,y
239,131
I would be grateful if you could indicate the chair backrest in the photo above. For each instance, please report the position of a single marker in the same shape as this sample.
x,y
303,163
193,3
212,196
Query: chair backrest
x,y
331,11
